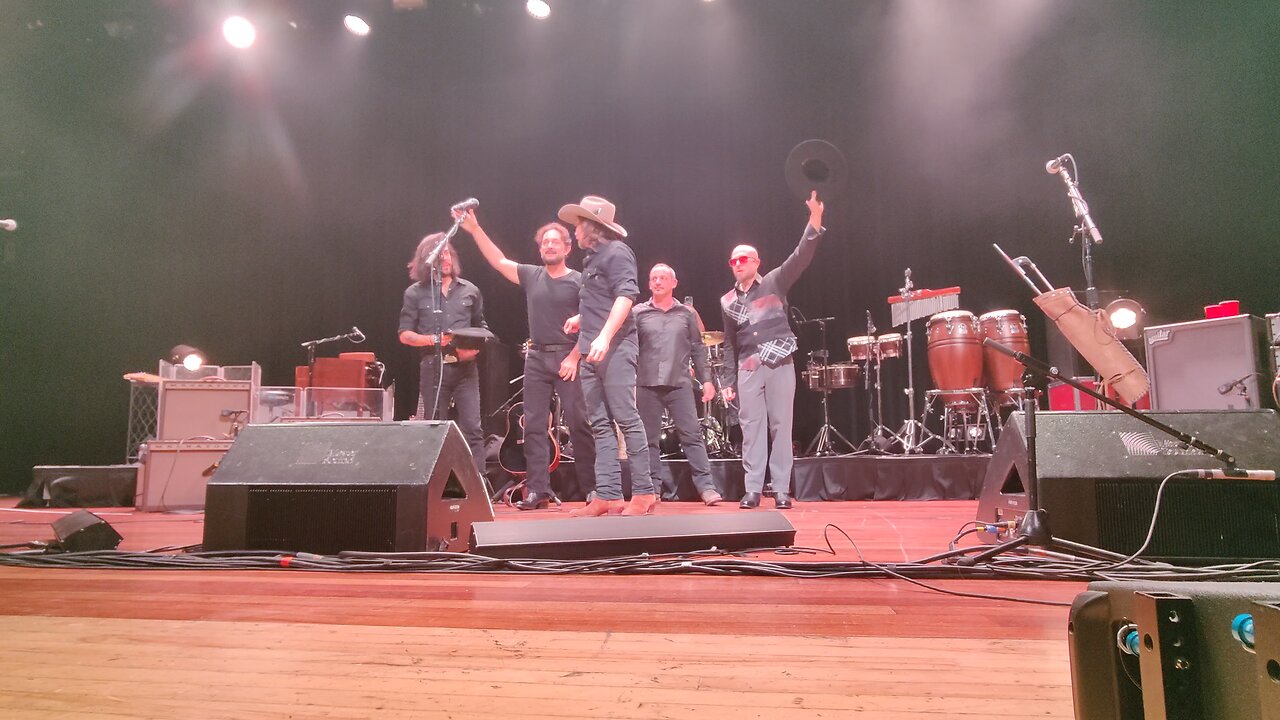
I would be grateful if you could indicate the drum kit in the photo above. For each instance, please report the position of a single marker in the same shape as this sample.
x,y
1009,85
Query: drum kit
x,y
716,418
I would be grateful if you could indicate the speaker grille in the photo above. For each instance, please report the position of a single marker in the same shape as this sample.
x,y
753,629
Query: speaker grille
x,y
322,519
1204,520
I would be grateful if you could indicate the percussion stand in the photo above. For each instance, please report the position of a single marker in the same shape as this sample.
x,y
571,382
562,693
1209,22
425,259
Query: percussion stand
x,y
824,445
913,434
881,438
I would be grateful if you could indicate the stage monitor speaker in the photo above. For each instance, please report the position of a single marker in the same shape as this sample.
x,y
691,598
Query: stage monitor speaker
x,y
82,531
1189,663
328,487
578,538
1098,473
1219,364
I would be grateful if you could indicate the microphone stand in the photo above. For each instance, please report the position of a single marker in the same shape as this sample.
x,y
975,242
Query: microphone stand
x,y
1033,529
1087,231
311,346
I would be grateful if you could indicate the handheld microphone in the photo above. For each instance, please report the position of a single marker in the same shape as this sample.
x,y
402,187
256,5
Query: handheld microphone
x,y
355,335
1055,165
465,205
9,224
1232,474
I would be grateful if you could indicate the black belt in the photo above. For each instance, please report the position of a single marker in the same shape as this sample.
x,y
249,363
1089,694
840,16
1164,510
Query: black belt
x,y
551,346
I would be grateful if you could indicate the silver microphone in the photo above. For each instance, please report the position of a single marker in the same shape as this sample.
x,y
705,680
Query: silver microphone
x,y
1233,474
465,205
1053,166
9,224
355,335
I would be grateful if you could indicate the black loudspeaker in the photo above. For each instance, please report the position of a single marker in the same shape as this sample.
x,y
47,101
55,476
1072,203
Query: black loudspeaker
x,y
578,538
82,531
1099,472
328,487
1182,655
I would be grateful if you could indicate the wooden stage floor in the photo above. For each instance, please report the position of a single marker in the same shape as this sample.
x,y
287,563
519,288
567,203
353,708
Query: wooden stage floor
x,y
81,643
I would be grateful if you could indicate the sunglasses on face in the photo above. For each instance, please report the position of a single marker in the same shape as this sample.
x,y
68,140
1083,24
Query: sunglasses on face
x,y
740,260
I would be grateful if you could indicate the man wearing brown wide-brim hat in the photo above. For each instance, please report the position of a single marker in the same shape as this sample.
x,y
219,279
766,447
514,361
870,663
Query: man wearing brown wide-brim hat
x,y
607,341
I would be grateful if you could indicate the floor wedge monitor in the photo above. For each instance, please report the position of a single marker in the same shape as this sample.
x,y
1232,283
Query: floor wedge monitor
x,y
328,487
578,538
1098,473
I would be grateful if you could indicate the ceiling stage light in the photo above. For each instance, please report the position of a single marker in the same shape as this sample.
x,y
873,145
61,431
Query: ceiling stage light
x,y
239,32
356,25
538,8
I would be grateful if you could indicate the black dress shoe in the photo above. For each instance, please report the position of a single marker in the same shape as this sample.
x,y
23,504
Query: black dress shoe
x,y
782,501
749,501
537,501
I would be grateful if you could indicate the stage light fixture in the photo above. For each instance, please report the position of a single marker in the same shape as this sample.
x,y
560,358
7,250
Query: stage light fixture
x,y
538,8
239,32
1127,318
188,357
356,25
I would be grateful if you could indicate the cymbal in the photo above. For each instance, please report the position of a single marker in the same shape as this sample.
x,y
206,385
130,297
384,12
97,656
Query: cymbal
x,y
712,337
816,165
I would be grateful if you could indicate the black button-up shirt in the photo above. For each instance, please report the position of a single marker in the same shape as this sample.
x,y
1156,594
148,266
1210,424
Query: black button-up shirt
x,y
608,273
461,307
668,339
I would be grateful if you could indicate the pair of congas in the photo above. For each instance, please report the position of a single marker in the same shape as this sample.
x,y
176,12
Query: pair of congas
x,y
958,361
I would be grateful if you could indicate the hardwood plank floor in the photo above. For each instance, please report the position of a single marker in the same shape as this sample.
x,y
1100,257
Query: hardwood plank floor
x,y
288,643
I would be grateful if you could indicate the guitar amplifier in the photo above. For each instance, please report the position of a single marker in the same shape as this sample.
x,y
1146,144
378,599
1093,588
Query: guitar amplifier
x,y
1218,364
174,474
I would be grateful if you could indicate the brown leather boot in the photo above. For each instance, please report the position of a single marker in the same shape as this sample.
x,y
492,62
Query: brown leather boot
x,y
641,504
598,507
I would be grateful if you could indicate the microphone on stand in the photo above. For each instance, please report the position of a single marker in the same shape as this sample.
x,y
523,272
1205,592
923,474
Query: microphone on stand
x,y
871,326
9,224
465,205
1232,473
1055,165
355,335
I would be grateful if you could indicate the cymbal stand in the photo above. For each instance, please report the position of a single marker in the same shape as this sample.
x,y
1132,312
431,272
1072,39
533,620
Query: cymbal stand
x,y
825,443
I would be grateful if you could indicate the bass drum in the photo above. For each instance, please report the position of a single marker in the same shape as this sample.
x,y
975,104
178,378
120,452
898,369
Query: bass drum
x,y
955,357
1003,373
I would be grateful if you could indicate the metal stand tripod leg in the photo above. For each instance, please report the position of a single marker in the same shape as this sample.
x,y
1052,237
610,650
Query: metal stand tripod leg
x,y
913,435
825,443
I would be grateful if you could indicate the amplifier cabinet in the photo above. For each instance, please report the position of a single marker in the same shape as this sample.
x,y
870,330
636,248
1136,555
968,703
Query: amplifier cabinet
x,y
1218,364
174,474
202,409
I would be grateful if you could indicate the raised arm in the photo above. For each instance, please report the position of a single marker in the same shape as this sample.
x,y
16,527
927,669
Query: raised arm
x,y
491,252
795,264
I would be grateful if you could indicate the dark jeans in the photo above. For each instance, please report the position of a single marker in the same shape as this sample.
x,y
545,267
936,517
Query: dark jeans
x,y
461,385
609,389
684,413
541,377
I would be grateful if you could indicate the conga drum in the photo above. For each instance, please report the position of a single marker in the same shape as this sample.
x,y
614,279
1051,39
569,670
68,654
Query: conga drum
x,y
955,357
1003,373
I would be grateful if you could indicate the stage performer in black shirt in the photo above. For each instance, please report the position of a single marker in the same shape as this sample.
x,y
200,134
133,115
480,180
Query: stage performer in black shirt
x,y
551,298
608,344
670,337
448,362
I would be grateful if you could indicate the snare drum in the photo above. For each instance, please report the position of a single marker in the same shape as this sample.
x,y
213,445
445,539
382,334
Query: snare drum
x,y
955,357
889,345
1009,328
860,347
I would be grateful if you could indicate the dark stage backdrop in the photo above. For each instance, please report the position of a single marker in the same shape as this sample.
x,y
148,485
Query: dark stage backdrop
x,y
170,189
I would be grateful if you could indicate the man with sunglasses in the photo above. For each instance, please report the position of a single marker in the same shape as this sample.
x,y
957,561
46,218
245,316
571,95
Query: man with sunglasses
x,y
758,347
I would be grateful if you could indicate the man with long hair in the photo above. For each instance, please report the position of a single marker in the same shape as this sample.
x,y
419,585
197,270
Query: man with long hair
x,y
429,317
607,341
551,365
